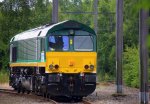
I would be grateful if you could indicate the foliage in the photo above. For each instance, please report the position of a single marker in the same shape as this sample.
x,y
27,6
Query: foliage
x,y
76,6
106,54
4,76
131,67
143,4
106,39
131,23
19,16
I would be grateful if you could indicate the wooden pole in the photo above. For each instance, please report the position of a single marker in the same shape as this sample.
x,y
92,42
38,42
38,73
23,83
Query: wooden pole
x,y
119,45
143,33
55,11
96,16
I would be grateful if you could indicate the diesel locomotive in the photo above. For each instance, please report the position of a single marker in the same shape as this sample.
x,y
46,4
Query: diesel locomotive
x,y
56,60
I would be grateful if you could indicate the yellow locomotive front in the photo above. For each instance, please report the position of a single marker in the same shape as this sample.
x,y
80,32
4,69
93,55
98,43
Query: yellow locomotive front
x,y
71,62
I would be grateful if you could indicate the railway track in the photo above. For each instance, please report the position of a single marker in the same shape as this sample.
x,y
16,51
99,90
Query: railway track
x,y
13,92
16,93
84,101
8,91
53,101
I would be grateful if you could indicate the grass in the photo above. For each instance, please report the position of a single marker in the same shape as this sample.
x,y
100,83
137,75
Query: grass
x,y
4,77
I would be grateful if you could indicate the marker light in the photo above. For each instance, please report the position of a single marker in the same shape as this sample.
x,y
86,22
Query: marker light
x,y
92,67
86,66
51,66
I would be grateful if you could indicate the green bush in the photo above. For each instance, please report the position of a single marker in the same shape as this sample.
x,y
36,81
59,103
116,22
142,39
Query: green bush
x,y
131,67
4,77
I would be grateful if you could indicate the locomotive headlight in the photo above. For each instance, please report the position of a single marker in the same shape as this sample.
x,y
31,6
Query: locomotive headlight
x,y
86,66
51,66
92,67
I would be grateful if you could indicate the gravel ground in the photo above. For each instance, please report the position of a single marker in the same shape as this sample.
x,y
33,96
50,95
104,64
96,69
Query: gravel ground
x,y
104,94
8,98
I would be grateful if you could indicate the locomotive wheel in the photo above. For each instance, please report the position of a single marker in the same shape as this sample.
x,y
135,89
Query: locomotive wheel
x,y
78,99
44,95
23,90
19,87
15,88
37,92
18,90
28,92
47,96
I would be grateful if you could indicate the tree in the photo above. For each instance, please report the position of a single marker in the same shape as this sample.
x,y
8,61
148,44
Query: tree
x,y
131,66
18,16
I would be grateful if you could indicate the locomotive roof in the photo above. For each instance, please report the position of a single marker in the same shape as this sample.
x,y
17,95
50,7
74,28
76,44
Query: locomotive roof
x,y
44,30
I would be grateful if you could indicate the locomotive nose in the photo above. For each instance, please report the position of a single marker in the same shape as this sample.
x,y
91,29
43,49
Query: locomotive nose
x,y
70,62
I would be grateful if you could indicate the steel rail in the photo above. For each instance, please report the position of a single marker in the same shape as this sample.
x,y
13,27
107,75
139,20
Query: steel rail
x,y
53,101
84,101
8,91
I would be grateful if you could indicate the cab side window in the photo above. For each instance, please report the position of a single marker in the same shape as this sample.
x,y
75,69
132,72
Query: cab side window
x,y
14,54
58,43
